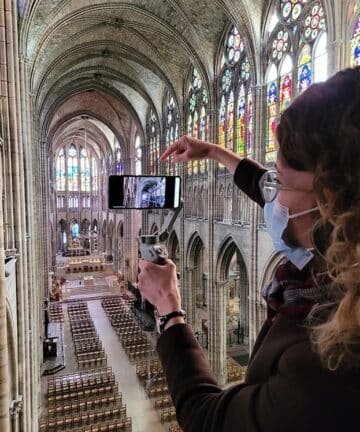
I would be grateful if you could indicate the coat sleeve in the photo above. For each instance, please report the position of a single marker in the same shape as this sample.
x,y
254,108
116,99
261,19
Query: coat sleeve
x,y
246,178
288,400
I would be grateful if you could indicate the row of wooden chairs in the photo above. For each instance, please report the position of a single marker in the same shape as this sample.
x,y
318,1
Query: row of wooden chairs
x,y
91,361
158,390
167,414
174,427
77,305
108,390
80,384
144,369
56,312
113,426
110,426
85,405
134,341
163,402
83,419
106,373
89,352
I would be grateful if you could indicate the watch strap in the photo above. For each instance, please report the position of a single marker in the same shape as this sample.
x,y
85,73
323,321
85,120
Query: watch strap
x,y
161,320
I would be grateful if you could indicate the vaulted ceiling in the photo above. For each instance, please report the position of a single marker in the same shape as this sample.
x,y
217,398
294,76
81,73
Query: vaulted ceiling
x,y
112,60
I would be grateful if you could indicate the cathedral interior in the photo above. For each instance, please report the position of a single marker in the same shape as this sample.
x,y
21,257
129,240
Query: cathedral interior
x,y
96,88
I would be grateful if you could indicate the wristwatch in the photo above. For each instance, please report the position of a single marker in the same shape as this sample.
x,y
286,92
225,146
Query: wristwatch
x,y
161,320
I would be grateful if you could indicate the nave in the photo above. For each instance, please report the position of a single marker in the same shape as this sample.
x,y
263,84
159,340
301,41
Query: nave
x,y
112,379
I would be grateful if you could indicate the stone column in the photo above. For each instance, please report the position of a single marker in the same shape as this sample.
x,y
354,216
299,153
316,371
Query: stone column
x,y
188,297
338,42
15,409
217,330
259,96
4,369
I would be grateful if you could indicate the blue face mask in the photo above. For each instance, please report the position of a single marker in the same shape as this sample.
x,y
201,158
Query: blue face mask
x,y
277,219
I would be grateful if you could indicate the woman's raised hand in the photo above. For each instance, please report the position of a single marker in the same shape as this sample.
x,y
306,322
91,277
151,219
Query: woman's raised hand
x,y
187,148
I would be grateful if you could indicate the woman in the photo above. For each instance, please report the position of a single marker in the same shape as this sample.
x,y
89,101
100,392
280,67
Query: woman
x,y
304,371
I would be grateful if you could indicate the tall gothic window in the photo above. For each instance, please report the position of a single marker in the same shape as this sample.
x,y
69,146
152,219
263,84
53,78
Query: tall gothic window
x,y
355,44
75,170
84,171
235,110
197,117
171,129
297,57
60,171
154,143
138,155
94,174
119,165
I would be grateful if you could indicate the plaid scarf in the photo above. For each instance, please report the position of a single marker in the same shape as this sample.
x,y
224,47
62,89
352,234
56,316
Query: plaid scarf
x,y
294,292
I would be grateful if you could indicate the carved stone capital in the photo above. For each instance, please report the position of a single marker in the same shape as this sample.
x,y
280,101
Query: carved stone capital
x,y
16,407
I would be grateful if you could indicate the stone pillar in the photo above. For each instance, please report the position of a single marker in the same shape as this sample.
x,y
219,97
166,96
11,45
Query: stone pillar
x,y
217,330
15,409
338,42
4,369
259,96
189,293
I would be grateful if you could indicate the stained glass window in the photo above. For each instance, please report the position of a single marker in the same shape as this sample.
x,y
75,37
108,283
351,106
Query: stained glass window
x,y
272,103
249,122
171,129
119,165
72,168
304,69
94,174
285,83
197,118
355,44
297,57
84,171
154,143
73,174
60,171
240,123
235,109
222,116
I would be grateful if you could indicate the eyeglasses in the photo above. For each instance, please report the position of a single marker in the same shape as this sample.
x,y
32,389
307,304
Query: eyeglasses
x,y
270,186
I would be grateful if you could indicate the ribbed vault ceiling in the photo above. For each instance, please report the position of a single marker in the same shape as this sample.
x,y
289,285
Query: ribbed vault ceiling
x,y
126,53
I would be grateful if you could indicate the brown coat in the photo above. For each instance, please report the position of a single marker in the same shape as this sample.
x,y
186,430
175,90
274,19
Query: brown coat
x,y
286,388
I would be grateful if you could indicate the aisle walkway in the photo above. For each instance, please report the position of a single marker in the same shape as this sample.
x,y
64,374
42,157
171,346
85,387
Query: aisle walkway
x,y
139,407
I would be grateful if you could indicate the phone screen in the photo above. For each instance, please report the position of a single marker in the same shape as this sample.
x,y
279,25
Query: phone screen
x,y
144,192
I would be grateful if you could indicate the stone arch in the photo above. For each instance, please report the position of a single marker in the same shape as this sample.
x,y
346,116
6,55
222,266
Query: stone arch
x,y
173,248
228,202
110,239
61,229
220,202
197,264
268,273
231,267
119,246
154,229
103,236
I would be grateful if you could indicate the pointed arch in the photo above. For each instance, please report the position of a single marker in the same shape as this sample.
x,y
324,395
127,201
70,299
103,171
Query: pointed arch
x,y
231,267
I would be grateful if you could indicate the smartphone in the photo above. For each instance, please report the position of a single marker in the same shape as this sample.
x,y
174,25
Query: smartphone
x,y
144,192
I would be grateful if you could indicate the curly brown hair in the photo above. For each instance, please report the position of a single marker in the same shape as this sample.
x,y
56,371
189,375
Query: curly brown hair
x,y
320,132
